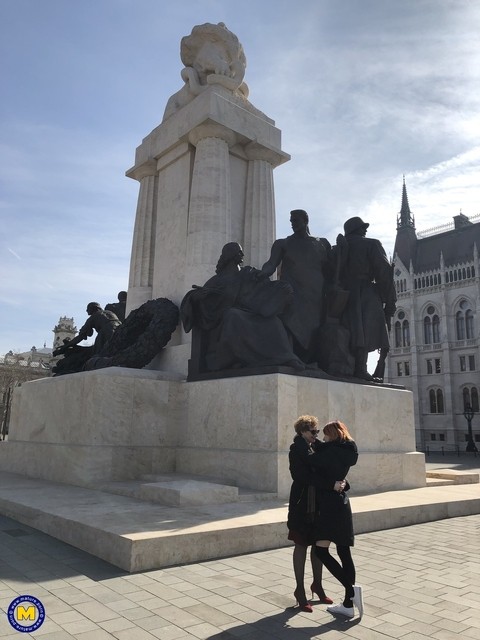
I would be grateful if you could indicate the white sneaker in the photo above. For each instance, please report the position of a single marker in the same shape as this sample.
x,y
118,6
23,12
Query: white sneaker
x,y
339,609
358,599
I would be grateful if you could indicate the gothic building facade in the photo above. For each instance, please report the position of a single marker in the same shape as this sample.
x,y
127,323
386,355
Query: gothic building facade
x,y
434,341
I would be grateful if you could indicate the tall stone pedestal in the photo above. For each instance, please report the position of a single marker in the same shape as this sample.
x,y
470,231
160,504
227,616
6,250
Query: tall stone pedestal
x,y
90,428
206,178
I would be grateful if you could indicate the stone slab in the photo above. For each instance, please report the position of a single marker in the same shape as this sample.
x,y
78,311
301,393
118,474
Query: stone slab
x,y
458,477
138,536
179,493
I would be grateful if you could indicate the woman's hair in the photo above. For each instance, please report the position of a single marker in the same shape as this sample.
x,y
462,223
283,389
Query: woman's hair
x,y
305,423
336,430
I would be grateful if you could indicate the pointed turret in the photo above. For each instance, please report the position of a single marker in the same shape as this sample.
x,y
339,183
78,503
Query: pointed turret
x,y
406,239
405,218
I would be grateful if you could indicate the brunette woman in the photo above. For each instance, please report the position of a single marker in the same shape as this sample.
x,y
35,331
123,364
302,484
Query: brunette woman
x,y
333,523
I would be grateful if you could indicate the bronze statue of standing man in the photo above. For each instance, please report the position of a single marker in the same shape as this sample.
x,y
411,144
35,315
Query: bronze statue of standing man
x,y
304,263
368,276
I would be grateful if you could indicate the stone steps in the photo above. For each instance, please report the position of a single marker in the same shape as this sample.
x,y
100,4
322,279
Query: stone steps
x,y
438,477
183,490
434,482
139,535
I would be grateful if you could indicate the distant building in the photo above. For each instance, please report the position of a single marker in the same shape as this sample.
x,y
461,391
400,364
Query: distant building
x,y
65,329
435,330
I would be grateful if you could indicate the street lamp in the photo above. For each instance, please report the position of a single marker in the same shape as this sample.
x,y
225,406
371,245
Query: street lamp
x,y
468,415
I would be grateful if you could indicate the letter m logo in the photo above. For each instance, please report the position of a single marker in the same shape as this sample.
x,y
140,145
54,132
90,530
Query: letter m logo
x,y
27,613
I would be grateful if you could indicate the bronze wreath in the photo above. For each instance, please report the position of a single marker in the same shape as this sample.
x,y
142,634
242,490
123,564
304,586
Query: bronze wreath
x,y
142,335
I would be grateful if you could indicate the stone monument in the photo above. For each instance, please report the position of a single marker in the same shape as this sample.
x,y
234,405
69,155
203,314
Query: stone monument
x,y
206,178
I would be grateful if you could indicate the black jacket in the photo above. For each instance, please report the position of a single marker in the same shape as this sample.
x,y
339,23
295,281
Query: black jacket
x,y
332,461
303,476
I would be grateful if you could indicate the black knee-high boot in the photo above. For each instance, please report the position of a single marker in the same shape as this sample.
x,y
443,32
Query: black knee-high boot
x,y
346,559
337,572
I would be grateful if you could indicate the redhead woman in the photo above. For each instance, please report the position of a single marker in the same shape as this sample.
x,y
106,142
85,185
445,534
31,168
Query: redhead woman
x,y
302,507
333,523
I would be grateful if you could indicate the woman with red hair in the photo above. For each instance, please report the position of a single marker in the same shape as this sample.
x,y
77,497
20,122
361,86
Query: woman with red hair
x,y
333,522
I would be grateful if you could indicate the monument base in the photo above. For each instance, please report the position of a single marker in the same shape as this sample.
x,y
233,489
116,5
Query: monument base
x,y
116,424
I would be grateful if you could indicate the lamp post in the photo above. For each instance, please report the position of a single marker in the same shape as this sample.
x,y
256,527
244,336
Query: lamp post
x,y
468,415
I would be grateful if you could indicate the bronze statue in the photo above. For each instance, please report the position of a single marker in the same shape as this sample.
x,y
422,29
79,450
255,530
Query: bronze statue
x,y
368,276
305,265
103,322
118,308
132,344
235,315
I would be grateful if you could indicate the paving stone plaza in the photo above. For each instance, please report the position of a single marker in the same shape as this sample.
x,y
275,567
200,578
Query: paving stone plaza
x,y
420,582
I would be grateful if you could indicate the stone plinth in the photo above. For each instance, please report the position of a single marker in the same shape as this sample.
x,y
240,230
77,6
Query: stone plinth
x,y
116,424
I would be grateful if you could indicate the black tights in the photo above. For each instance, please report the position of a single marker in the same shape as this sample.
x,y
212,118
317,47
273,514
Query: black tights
x,y
344,573
299,558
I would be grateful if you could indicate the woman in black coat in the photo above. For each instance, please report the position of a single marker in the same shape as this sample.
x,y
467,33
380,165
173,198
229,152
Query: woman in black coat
x,y
301,509
333,522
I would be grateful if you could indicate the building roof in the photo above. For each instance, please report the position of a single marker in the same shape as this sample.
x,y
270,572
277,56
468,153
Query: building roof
x,y
456,246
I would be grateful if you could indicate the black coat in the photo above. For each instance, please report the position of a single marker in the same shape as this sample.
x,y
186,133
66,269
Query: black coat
x,y
302,503
331,462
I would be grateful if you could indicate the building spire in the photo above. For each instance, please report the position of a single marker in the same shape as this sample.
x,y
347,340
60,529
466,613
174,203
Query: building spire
x,y
405,218
406,240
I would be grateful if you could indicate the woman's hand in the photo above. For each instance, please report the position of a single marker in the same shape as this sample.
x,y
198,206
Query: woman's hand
x,y
340,485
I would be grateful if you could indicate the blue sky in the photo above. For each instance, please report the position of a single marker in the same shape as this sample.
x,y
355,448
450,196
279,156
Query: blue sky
x,y
364,91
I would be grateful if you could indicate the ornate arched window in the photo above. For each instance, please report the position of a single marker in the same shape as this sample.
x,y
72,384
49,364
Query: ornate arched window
x,y
470,397
427,330
440,406
436,401
402,330
464,324
398,334
460,325
474,396
431,326
469,330
406,333
436,328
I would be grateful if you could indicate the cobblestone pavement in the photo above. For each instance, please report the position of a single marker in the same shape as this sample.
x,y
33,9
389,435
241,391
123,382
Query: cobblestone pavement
x,y
420,582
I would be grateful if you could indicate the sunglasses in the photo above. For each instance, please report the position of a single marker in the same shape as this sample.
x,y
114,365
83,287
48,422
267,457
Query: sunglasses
x,y
314,432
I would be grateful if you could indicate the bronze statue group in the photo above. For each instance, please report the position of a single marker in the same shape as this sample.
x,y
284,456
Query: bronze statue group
x,y
328,309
